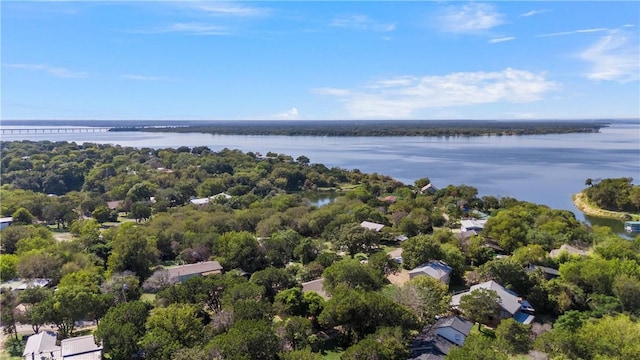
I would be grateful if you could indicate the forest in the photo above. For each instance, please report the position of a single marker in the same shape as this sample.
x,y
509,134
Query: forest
x,y
378,128
105,223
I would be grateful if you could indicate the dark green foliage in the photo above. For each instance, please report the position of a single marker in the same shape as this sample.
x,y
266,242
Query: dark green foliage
x,y
121,329
615,195
513,337
246,340
386,344
350,274
477,347
481,306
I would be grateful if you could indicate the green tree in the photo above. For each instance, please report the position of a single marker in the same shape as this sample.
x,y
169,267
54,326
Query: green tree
x,y
481,306
246,340
122,328
627,289
8,266
296,331
239,250
22,216
386,344
383,263
102,214
7,312
419,250
349,273
424,295
356,238
477,347
133,250
513,337
171,328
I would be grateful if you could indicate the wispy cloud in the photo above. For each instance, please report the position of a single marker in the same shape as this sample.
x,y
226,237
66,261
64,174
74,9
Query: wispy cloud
x,y
146,77
580,31
470,18
291,114
191,28
534,12
361,22
404,96
501,39
614,57
230,9
51,70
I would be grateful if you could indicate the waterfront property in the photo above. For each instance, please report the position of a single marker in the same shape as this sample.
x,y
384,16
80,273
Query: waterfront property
x,y
632,226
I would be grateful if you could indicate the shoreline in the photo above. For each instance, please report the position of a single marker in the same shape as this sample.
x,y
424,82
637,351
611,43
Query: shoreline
x,y
580,201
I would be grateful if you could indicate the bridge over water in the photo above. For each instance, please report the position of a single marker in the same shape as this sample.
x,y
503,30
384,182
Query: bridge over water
x,y
53,130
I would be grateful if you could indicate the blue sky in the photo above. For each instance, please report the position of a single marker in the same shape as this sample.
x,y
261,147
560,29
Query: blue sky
x,y
320,60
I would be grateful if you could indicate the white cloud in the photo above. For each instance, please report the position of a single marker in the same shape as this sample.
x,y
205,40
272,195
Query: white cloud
x,y
501,39
145,77
403,97
231,9
52,70
614,57
470,18
580,31
361,22
291,114
192,28
534,12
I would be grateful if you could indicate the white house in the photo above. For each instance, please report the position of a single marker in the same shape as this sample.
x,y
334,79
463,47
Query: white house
x,y
472,224
454,329
436,269
42,346
204,201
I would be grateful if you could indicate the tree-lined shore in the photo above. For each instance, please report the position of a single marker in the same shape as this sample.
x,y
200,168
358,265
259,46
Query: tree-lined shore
x,y
129,214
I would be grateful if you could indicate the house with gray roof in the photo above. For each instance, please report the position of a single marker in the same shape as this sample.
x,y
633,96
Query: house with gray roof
x,y
81,348
42,346
511,305
435,342
436,269
183,272
317,286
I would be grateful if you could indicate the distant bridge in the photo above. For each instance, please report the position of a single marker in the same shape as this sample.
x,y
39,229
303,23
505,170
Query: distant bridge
x,y
55,130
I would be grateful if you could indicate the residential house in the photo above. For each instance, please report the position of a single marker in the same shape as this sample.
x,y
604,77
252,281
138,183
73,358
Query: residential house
x,y
206,200
114,205
372,226
42,346
436,342
183,272
571,250
511,305
549,273
81,348
317,286
429,189
436,269
5,221
472,224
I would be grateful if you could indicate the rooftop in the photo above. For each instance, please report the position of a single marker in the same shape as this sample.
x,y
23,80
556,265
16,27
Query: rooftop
x,y
371,225
203,268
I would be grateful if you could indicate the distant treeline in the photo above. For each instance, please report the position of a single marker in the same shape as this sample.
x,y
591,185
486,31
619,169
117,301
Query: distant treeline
x,y
381,128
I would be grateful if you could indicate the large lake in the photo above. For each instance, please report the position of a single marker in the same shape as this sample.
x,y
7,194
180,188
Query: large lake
x,y
545,169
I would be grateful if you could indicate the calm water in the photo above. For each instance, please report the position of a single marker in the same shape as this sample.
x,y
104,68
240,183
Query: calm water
x,y
545,169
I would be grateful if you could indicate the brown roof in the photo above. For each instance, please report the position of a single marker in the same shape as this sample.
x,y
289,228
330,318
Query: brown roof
x,y
201,268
